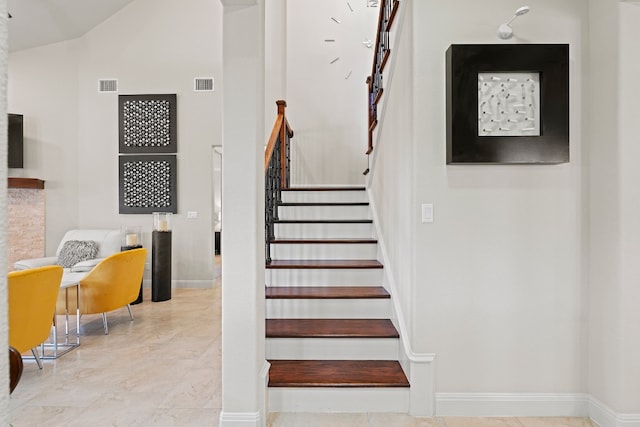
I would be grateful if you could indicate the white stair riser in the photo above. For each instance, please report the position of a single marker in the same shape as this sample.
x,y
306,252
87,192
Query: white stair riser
x,y
318,399
324,251
330,399
327,231
332,348
324,277
324,196
324,212
328,309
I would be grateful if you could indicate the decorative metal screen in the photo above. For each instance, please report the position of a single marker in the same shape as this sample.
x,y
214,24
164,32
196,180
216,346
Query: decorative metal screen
x,y
147,123
148,184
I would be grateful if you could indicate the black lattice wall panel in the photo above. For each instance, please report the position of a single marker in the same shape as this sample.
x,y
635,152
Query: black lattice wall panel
x,y
147,123
148,184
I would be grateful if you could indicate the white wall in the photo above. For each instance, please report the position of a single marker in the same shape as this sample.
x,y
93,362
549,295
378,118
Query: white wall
x,y
629,314
43,86
327,111
392,182
150,46
614,350
4,327
275,57
497,285
243,333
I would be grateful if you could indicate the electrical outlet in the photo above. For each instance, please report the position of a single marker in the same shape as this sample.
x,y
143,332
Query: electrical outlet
x,y
192,215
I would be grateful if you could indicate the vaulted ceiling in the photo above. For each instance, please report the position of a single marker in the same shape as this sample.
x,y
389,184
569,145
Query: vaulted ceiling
x,y
40,22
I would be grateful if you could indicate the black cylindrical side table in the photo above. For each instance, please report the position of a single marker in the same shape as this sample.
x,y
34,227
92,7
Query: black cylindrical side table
x,y
161,266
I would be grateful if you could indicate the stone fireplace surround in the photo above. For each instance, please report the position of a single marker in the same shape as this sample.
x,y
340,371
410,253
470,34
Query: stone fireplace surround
x,y
25,219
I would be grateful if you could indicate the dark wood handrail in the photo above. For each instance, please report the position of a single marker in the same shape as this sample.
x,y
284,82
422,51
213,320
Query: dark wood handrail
x,y
388,11
276,173
277,131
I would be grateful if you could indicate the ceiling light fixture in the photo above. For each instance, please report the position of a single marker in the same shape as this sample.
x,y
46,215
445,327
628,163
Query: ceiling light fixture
x,y
505,31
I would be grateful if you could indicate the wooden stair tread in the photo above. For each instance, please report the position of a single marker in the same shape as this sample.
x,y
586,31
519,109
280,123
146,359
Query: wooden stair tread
x,y
326,292
323,221
336,373
346,188
321,204
330,328
323,263
323,241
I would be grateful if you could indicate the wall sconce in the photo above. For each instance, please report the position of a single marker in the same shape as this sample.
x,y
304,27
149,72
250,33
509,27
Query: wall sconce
x,y
505,31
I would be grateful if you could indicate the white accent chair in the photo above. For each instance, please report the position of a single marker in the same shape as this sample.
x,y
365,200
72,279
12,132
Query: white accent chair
x,y
108,243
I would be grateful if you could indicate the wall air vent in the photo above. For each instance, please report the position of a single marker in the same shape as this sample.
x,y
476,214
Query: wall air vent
x,y
203,84
108,85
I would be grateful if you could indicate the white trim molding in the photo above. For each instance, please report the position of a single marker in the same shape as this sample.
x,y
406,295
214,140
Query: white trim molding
x,y
240,419
422,379
533,405
512,404
264,396
250,419
604,416
419,367
184,284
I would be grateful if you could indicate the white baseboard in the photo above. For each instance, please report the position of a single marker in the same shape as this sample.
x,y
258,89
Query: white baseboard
x,y
512,404
604,416
240,419
184,284
532,405
250,419
193,284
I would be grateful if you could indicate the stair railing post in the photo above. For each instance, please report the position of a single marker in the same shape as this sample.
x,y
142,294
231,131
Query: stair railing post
x,y
277,179
276,174
282,105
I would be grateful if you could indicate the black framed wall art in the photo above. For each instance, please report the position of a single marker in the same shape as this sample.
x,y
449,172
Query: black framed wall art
x,y
148,183
507,104
147,123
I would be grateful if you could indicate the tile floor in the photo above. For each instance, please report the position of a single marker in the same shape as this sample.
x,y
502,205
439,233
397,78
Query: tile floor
x,y
163,369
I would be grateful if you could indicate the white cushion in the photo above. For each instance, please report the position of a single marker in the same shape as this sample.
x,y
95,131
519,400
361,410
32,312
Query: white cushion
x,y
108,243
25,264
108,240
85,266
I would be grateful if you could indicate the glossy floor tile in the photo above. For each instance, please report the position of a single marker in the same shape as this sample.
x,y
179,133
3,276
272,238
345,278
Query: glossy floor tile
x,y
164,369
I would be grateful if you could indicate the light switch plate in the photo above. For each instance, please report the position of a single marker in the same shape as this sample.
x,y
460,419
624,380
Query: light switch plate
x,y
427,212
192,215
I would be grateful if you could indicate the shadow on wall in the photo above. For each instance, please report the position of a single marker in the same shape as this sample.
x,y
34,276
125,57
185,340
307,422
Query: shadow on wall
x,y
317,159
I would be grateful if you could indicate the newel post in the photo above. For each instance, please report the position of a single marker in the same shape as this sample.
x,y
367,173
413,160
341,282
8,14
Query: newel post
x,y
283,142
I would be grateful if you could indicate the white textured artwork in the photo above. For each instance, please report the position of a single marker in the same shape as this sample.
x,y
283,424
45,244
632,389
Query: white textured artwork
x,y
146,123
509,104
147,184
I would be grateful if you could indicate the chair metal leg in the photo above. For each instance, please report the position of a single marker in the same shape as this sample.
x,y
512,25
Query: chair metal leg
x,y
34,351
104,323
129,308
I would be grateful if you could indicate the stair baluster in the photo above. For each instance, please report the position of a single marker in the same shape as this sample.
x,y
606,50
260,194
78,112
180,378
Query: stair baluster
x,y
276,173
388,10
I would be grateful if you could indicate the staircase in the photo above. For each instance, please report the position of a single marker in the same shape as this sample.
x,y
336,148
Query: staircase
x,y
330,340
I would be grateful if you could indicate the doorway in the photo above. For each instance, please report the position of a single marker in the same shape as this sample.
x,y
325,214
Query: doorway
x,y
216,197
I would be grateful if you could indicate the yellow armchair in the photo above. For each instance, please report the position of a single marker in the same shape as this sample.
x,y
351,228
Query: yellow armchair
x,y
32,304
112,284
